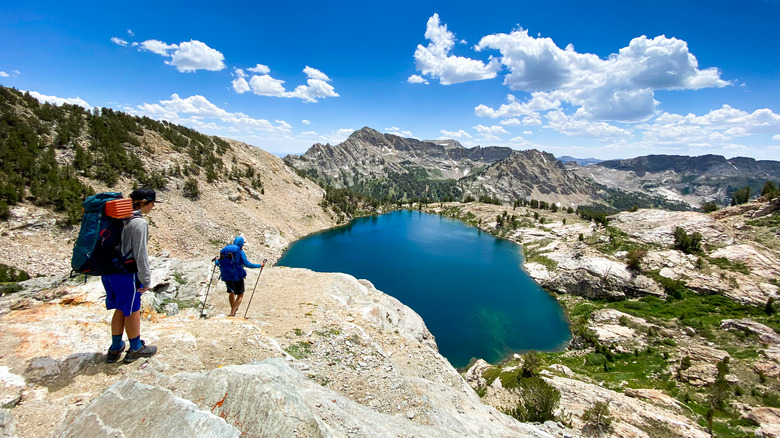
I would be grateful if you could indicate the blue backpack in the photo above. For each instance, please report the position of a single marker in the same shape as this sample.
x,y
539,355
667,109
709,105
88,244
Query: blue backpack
x,y
230,263
98,248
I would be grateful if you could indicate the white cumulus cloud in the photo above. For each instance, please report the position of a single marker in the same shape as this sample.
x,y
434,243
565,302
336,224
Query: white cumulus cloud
x,y
491,130
453,134
436,61
260,68
579,127
54,100
188,56
158,47
539,101
716,127
195,55
399,132
198,112
417,79
119,41
240,85
263,84
4,74
621,87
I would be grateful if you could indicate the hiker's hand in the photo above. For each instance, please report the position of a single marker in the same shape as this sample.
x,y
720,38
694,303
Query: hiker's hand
x,y
143,289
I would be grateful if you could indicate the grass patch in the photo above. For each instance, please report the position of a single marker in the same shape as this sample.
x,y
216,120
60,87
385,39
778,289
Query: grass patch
x,y
330,331
182,304
709,309
179,277
618,241
766,221
644,369
726,264
545,261
299,350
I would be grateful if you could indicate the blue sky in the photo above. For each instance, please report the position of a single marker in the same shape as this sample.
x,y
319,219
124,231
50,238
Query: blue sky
x,y
610,79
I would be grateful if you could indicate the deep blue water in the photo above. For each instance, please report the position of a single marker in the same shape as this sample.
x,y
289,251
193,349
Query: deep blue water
x,y
467,285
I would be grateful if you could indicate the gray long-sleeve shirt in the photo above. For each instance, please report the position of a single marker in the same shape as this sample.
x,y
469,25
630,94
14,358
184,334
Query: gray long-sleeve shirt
x,y
134,238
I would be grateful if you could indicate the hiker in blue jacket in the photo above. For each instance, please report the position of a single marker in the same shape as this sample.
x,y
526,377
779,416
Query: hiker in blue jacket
x,y
123,290
232,260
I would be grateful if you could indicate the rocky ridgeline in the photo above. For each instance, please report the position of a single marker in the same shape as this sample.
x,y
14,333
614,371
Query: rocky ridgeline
x,y
369,154
318,355
495,171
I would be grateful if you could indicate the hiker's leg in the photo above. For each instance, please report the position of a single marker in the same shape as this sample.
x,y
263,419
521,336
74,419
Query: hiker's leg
x,y
133,325
237,303
117,323
232,300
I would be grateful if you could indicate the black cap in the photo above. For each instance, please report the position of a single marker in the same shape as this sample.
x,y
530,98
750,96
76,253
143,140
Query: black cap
x,y
144,195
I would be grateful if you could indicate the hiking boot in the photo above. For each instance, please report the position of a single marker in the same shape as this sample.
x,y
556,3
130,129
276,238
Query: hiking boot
x,y
144,351
113,355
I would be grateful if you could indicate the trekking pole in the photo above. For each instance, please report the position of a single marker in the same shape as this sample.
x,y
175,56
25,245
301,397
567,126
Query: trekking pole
x,y
253,289
208,288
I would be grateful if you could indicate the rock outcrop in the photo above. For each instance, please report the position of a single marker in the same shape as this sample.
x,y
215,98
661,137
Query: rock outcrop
x,y
318,355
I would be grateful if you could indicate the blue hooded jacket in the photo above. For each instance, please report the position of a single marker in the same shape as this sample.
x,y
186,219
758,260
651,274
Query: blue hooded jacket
x,y
230,271
239,242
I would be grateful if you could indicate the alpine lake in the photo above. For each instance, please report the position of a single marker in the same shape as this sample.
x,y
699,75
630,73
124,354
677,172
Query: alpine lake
x,y
467,285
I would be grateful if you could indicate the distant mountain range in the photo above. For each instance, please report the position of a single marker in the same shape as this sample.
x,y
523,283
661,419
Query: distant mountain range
x,y
693,180
398,168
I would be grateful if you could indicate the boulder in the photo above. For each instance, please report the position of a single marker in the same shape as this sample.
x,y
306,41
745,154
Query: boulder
x,y
704,360
129,408
769,363
7,425
11,387
474,374
768,420
766,334
592,276
270,399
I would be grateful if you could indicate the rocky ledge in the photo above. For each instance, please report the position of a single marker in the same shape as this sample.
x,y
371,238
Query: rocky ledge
x,y
317,355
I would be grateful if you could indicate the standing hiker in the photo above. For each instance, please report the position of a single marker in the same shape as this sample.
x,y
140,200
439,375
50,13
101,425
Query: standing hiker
x,y
232,260
123,290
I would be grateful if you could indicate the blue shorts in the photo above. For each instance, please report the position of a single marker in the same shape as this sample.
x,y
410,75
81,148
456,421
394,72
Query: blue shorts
x,y
121,292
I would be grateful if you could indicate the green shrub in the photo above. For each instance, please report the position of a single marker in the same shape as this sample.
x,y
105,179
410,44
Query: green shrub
x,y
709,207
740,196
11,274
190,189
635,257
598,416
532,364
540,400
685,243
